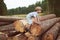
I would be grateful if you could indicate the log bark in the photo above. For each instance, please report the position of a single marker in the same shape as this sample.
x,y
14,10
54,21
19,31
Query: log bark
x,y
14,26
52,33
13,18
3,36
8,18
4,23
5,28
20,37
13,33
37,29
58,38
46,17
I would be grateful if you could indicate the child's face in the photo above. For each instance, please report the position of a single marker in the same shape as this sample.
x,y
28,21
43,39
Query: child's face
x,y
38,11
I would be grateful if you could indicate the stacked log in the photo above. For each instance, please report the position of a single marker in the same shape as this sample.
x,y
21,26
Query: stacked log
x,y
20,37
3,36
8,18
38,29
7,28
58,38
4,23
33,38
12,33
13,28
52,33
46,17
19,26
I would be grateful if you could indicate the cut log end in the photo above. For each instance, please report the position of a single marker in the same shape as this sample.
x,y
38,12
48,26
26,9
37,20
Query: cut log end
x,y
48,37
33,38
27,34
19,26
35,29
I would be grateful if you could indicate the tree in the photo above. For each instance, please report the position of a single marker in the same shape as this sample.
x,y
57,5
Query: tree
x,y
3,8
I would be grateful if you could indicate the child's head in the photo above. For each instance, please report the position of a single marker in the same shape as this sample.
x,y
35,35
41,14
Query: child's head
x,y
38,9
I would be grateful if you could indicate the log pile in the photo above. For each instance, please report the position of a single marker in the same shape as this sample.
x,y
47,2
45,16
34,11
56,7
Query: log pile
x,y
58,38
47,28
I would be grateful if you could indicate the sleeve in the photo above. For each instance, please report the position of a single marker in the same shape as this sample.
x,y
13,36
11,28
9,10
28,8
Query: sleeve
x,y
35,15
29,19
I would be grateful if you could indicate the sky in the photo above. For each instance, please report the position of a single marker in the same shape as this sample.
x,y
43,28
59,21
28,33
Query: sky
x,y
19,3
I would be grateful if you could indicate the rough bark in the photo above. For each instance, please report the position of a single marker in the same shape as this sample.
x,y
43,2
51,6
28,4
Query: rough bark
x,y
20,37
58,38
5,28
13,18
3,36
12,33
52,33
38,29
4,23
8,18
46,17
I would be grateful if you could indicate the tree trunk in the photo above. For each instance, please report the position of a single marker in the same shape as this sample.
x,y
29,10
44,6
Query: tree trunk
x,y
7,28
14,26
46,17
13,18
52,33
3,36
4,23
58,38
3,8
8,18
38,29
12,33
20,25
20,37
33,38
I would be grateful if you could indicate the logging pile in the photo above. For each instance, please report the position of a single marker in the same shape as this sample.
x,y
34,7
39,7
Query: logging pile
x,y
14,28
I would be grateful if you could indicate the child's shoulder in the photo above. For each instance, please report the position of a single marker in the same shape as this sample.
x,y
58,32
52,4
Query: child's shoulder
x,y
33,13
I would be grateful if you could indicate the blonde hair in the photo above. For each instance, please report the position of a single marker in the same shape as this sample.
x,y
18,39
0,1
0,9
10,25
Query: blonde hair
x,y
38,8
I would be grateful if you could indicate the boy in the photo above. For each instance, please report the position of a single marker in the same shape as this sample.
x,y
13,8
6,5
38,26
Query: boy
x,y
33,16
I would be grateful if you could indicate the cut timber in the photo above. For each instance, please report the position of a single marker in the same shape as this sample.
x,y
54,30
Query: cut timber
x,y
33,38
5,28
3,36
52,33
38,29
9,18
13,18
13,26
10,38
4,23
12,33
58,38
46,17
28,34
20,37
20,25
35,29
